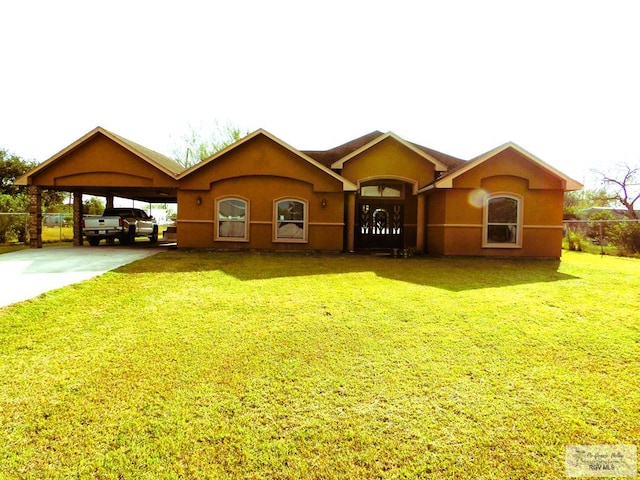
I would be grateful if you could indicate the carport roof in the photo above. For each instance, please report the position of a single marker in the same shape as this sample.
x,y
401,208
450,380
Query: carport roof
x,y
158,160
161,162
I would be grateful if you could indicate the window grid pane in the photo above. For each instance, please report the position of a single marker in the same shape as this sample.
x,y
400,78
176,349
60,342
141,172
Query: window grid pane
x,y
503,210
502,220
232,218
291,220
391,191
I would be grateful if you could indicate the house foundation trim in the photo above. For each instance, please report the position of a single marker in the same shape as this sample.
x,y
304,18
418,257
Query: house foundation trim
x,y
454,225
552,227
469,225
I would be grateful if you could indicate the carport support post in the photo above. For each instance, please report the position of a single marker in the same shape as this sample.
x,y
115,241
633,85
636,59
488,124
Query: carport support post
x,y
420,226
77,218
109,200
351,220
35,217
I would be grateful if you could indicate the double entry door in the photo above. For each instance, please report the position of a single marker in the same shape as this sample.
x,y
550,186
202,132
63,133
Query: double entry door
x,y
379,224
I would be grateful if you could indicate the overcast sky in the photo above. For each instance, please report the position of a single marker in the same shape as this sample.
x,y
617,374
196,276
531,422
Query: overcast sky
x,y
559,78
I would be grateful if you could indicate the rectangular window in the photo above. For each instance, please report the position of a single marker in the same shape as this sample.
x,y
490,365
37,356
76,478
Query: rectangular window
x,y
291,221
381,190
502,222
232,219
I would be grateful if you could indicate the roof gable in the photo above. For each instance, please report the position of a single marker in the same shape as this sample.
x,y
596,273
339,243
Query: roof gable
x,y
439,165
327,157
155,159
446,181
347,185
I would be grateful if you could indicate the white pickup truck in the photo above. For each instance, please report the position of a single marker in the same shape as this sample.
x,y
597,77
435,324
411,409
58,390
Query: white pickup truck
x,y
125,224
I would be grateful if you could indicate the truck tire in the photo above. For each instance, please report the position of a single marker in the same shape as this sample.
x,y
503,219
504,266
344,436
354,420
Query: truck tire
x,y
93,241
153,238
129,237
132,234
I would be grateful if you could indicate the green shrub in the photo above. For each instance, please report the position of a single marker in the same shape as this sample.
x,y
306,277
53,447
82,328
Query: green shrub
x,y
626,236
576,241
14,225
596,229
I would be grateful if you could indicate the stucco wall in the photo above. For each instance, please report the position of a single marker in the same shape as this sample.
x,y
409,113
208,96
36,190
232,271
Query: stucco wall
x,y
389,159
456,215
261,172
259,156
101,162
197,222
509,162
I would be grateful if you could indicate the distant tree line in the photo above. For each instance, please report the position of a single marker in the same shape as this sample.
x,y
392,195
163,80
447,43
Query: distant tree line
x,y
201,142
14,199
619,191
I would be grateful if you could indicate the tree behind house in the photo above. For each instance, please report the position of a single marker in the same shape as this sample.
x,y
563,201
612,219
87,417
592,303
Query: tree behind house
x,y
623,186
575,202
201,142
14,198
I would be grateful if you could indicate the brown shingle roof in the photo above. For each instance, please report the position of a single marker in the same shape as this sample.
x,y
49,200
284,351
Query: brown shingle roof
x,y
327,157
450,161
162,160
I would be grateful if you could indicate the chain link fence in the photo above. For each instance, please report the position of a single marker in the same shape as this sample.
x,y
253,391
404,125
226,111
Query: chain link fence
x,y
623,235
56,227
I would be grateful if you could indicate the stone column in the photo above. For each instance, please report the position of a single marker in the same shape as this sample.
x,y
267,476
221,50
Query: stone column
x,y
420,227
351,220
35,216
109,204
77,218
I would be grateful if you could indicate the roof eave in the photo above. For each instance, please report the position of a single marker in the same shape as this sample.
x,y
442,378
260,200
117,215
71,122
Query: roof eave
x,y
426,188
346,184
339,164
447,180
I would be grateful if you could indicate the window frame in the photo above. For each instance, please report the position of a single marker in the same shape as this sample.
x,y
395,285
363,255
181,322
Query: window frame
x,y
305,220
381,185
220,238
518,223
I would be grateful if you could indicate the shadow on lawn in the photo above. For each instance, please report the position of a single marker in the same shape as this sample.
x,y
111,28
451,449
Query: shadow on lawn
x,y
453,274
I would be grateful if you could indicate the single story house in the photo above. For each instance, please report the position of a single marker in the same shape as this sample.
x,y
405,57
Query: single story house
x,y
378,191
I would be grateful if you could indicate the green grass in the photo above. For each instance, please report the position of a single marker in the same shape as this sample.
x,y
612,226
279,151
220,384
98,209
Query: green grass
x,y
212,365
11,248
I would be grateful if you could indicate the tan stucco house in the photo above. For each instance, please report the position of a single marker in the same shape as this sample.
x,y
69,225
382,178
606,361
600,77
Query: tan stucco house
x,y
376,192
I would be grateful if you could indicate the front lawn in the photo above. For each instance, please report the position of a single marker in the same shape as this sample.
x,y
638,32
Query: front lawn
x,y
212,365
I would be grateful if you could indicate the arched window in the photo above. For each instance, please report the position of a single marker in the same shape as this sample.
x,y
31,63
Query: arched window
x,y
502,221
231,215
291,220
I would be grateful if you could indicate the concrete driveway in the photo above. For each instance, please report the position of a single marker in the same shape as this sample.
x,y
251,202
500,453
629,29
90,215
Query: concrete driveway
x,y
27,273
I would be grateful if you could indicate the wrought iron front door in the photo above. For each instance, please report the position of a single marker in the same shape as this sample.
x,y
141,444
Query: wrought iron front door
x,y
379,225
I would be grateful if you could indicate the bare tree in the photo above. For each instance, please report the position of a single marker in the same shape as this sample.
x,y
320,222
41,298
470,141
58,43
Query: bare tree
x,y
623,186
202,141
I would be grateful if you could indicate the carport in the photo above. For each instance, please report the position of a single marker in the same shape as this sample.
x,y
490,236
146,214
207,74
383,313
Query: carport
x,y
104,164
